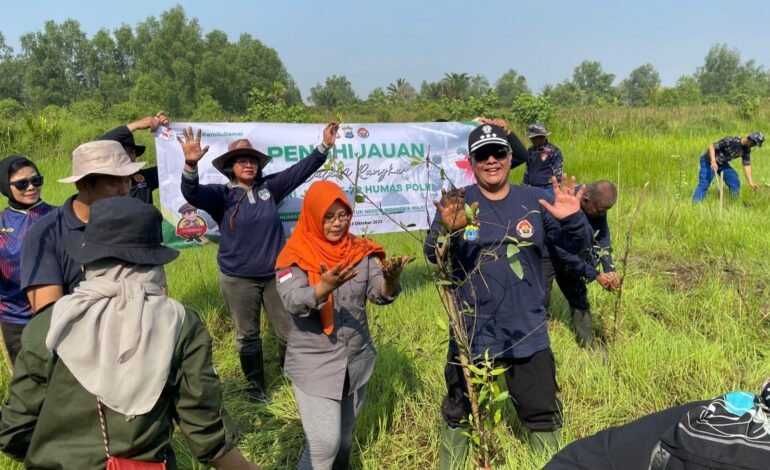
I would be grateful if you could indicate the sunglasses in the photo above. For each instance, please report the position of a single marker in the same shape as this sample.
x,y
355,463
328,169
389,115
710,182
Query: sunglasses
x,y
500,153
21,185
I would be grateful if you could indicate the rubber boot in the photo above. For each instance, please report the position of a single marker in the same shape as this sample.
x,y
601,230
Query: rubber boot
x,y
452,448
281,354
542,442
584,328
254,370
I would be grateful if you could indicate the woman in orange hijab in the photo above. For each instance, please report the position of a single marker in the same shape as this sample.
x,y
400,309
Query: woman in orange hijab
x,y
325,275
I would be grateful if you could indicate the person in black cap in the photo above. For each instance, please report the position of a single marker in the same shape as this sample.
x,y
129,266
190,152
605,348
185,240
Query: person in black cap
x,y
106,371
251,236
544,160
717,158
144,181
509,321
21,183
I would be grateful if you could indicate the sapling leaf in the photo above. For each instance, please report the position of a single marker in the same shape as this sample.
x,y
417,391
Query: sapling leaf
x,y
516,267
502,396
360,198
468,213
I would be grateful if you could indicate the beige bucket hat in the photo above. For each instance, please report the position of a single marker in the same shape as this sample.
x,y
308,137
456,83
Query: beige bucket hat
x,y
104,157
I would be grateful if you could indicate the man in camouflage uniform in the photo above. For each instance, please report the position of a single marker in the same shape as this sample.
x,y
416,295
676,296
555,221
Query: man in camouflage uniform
x,y
717,160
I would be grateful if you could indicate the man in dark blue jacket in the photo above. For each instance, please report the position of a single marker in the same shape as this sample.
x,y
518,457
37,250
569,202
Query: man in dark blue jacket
x,y
508,319
572,272
545,159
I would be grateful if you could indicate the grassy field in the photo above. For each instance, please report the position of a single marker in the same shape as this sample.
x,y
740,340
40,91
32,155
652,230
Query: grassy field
x,y
695,303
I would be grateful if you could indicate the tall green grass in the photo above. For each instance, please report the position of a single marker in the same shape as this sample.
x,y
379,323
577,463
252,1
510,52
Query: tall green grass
x,y
695,293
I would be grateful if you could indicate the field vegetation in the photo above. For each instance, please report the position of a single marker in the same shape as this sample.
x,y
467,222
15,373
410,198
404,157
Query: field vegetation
x,y
695,305
696,299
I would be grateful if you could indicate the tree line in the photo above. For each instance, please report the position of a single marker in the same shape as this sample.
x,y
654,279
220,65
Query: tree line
x,y
169,63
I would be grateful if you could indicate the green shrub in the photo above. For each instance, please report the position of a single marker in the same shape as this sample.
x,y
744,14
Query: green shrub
x,y
10,109
528,109
87,109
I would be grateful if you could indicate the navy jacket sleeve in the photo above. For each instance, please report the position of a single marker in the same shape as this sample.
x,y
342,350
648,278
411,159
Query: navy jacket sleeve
x,y
574,263
208,197
557,163
604,243
151,176
281,184
520,153
573,233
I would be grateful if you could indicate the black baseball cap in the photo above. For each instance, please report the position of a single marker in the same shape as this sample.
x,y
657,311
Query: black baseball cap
x,y
487,134
125,137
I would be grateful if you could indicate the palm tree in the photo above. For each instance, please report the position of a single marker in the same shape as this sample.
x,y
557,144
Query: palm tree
x,y
456,85
401,90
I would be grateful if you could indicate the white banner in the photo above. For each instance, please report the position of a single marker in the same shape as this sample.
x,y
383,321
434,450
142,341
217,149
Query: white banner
x,y
387,173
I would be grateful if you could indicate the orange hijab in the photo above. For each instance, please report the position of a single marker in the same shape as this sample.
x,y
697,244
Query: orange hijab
x,y
307,247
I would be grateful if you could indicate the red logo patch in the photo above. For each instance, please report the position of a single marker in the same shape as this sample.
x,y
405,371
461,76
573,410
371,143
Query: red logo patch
x,y
524,229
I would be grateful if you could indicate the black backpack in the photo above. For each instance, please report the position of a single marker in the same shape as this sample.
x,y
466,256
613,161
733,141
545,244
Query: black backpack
x,y
731,432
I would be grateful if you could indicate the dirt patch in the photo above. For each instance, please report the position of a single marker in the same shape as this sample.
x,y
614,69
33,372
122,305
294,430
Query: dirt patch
x,y
685,276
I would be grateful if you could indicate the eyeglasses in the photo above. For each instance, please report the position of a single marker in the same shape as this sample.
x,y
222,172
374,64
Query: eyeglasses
x,y
243,161
343,218
482,155
21,185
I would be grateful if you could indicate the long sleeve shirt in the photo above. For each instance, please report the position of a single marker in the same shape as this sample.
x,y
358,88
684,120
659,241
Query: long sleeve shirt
x,y
251,233
317,362
509,318
586,266
51,422
543,163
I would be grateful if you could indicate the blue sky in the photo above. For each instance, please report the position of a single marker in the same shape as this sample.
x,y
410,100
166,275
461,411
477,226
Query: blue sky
x,y
373,44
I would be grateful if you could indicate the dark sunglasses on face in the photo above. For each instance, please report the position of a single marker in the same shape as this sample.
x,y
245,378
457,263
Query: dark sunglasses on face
x,y
500,153
21,185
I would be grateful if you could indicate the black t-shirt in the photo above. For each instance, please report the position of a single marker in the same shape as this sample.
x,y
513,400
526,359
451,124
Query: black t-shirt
x,y
143,183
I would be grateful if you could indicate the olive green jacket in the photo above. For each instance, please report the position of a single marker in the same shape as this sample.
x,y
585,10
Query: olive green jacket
x,y
50,421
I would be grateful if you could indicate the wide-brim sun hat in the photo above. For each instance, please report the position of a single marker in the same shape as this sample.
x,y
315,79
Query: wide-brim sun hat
x,y
122,228
103,157
239,148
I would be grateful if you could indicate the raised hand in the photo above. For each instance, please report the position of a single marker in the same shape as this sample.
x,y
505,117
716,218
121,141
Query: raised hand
x,y
333,278
158,120
565,201
391,271
330,134
452,208
191,146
